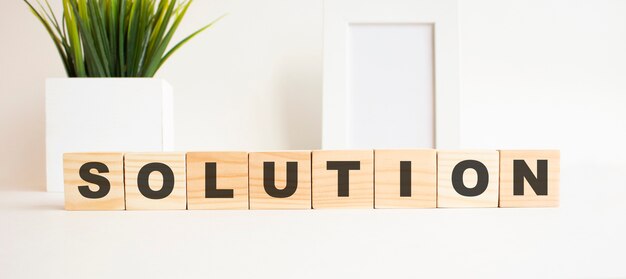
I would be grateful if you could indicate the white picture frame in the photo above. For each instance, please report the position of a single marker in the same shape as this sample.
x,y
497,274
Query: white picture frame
x,y
340,14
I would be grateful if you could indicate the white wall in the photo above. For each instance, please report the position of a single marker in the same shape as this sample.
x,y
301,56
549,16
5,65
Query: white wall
x,y
252,82
545,74
26,59
534,74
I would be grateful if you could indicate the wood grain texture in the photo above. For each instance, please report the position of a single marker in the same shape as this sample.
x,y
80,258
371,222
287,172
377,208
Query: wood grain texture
x,y
447,196
177,199
260,199
325,181
114,200
530,198
231,173
423,183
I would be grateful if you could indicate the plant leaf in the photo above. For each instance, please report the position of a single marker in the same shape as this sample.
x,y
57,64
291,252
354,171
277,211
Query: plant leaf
x,y
114,38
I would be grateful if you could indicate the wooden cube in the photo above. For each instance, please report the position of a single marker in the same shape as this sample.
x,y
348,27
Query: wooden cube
x,y
529,178
343,179
280,180
217,180
155,181
94,181
467,178
405,178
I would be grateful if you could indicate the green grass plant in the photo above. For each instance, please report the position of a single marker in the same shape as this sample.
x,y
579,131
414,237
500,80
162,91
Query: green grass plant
x,y
114,38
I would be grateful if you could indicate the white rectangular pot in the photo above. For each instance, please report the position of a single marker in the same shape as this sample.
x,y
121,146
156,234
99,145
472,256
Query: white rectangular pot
x,y
105,114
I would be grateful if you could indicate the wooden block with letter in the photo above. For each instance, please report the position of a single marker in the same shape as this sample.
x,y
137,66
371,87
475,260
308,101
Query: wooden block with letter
x,y
217,180
529,178
155,181
405,178
280,180
467,178
343,179
94,181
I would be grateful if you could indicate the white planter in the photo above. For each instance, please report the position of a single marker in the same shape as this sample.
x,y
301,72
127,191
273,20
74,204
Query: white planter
x,y
105,114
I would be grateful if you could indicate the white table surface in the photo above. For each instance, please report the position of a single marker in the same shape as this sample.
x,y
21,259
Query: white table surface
x,y
584,238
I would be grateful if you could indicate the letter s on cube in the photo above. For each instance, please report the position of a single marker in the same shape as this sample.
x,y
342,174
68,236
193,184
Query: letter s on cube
x,y
94,181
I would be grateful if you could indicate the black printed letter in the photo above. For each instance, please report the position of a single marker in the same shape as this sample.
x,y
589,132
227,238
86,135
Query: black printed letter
x,y
539,184
405,178
210,183
103,183
270,183
481,184
144,184
343,174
